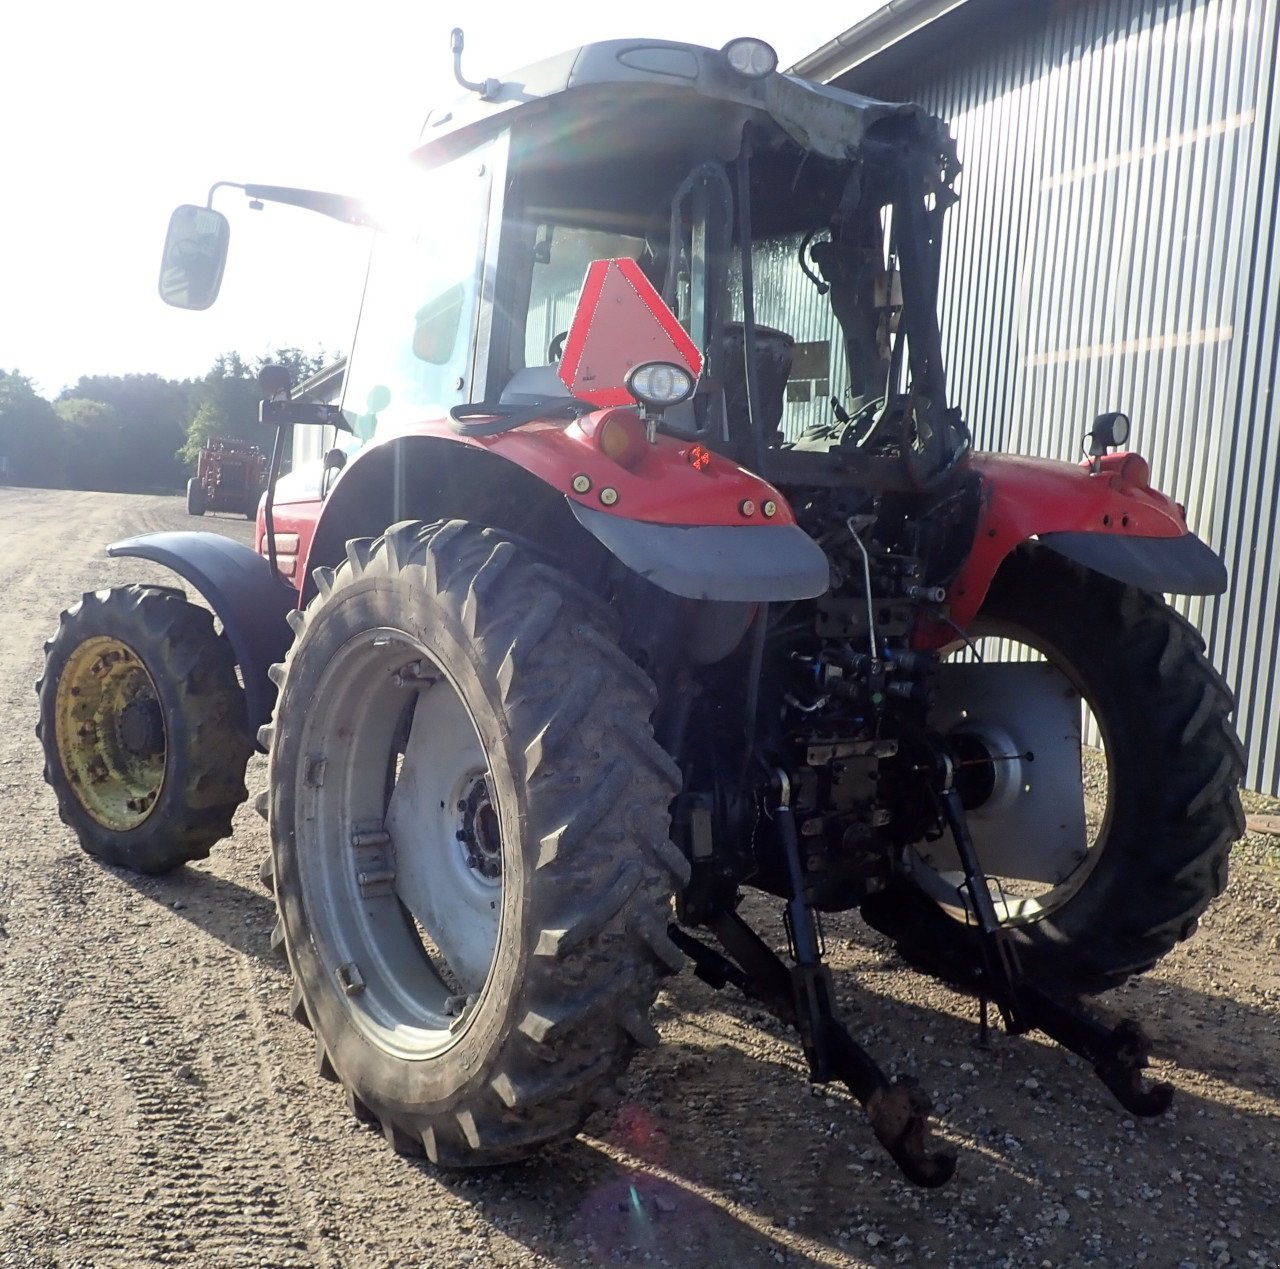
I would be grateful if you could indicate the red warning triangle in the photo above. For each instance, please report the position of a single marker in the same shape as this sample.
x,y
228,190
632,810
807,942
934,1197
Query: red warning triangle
x,y
620,323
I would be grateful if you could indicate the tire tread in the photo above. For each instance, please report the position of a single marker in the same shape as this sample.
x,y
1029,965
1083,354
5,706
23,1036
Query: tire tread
x,y
577,709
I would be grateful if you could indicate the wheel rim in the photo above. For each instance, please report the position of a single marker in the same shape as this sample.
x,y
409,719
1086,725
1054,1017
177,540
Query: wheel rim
x,y
399,844
1023,900
111,732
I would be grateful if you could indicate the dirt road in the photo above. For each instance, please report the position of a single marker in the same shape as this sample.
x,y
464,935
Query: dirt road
x,y
158,1106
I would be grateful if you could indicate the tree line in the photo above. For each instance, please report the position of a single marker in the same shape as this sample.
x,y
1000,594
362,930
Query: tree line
x,y
134,433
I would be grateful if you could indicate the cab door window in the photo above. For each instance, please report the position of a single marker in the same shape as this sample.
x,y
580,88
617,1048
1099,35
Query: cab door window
x,y
560,265
415,347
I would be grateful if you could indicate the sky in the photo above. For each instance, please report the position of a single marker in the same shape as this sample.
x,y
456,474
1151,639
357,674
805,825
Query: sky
x,y
115,114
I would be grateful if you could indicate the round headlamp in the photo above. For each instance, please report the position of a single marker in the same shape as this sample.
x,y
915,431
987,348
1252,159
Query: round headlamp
x,y
1109,431
658,385
751,58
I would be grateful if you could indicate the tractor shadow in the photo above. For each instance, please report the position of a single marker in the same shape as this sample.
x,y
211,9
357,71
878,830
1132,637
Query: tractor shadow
x,y
1227,1039
722,1155
233,914
1217,1034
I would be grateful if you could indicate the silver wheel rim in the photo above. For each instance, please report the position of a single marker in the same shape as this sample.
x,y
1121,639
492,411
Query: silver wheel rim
x,y
398,844
1017,901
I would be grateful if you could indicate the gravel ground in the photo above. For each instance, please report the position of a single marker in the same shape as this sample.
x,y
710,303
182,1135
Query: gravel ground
x,y
159,1107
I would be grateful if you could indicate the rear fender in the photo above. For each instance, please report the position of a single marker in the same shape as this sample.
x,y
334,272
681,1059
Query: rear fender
x,y
429,478
1108,519
695,531
239,586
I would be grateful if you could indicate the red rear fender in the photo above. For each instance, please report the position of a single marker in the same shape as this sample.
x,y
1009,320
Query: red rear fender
x,y
690,521
671,481
1110,513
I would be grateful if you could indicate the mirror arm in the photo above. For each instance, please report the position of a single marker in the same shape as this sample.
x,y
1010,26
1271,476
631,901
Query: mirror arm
x,y
216,186
487,88
285,413
341,207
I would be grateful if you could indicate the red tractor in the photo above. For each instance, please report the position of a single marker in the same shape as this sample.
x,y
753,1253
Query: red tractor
x,y
606,614
230,475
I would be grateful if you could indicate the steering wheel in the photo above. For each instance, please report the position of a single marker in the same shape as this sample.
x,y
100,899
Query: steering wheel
x,y
556,348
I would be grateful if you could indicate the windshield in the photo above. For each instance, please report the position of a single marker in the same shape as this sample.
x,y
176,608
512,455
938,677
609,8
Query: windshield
x,y
788,302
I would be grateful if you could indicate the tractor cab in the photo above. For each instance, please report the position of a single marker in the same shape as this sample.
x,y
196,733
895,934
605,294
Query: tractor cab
x,y
791,230
675,158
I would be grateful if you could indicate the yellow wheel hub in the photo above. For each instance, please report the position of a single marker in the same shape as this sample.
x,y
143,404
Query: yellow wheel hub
x,y
111,733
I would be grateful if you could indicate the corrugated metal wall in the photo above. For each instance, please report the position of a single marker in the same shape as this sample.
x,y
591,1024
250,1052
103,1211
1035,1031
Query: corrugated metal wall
x,y
1115,248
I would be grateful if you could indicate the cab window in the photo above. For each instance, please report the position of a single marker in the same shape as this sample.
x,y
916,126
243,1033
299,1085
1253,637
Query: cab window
x,y
561,257
415,344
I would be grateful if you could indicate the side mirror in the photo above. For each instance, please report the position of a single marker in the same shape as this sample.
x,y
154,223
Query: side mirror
x,y
195,254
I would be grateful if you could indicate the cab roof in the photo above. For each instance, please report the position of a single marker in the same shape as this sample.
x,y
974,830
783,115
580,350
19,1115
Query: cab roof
x,y
827,121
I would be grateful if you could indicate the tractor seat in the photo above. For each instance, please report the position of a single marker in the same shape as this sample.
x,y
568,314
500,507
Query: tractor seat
x,y
774,349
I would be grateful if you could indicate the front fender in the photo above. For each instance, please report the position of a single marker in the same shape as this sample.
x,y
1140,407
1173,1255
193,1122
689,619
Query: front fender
x,y
249,600
1108,518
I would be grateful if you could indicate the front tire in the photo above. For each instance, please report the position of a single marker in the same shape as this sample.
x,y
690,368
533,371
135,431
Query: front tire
x,y
195,497
471,861
1173,768
144,728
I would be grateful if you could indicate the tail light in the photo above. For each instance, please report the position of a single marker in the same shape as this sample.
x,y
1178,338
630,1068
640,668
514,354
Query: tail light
x,y
620,435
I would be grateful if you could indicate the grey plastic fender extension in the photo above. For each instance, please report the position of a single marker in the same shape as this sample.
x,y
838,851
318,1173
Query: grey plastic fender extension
x,y
751,563
249,600
1164,566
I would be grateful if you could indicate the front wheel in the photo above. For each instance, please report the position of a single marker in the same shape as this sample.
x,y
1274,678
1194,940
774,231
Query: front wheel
x,y
144,728
195,497
470,851
1101,857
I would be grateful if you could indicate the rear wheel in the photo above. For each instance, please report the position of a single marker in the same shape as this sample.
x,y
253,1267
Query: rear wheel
x,y
144,728
469,821
195,497
1100,890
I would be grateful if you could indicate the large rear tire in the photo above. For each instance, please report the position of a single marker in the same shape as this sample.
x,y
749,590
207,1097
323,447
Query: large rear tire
x,y
144,728
1173,766
471,861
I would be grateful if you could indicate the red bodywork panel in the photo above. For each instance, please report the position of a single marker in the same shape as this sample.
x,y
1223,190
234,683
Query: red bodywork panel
x,y
1022,497
295,527
662,487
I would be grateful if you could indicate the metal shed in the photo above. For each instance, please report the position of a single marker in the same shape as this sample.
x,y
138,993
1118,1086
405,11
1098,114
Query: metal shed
x,y
1115,247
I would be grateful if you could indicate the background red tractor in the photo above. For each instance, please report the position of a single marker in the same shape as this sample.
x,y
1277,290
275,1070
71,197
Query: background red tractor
x,y
230,476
